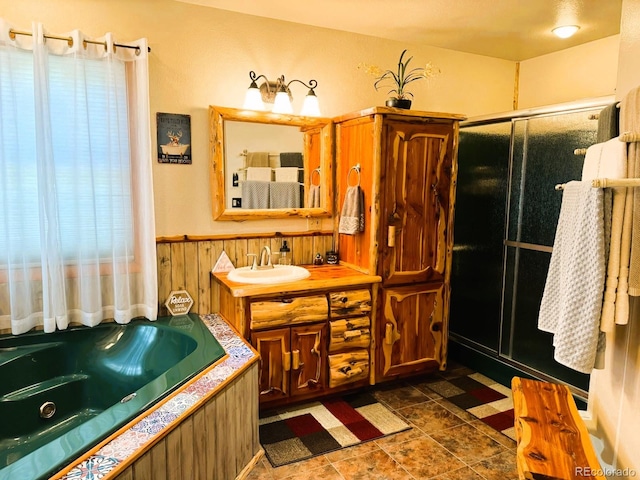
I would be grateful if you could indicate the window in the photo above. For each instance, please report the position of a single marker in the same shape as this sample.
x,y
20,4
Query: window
x,y
93,197
75,183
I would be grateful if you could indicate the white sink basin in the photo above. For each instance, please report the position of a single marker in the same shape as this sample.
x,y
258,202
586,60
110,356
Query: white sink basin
x,y
277,274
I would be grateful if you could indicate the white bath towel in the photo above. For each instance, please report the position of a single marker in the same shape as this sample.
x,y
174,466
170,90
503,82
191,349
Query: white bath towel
x,y
352,213
630,116
572,299
608,160
630,132
286,174
259,174
622,293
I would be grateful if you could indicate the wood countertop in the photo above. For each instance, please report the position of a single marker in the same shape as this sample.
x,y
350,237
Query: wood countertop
x,y
323,277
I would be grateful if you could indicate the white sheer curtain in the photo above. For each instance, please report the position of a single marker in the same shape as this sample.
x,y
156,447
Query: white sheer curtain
x,y
77,238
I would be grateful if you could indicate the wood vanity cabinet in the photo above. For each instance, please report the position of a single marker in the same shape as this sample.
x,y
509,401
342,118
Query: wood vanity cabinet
x,y
314,338
407,170
293,359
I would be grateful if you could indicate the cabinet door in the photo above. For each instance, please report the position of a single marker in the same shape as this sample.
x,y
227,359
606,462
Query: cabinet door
x,y
275,362
417,182
308,359
411,331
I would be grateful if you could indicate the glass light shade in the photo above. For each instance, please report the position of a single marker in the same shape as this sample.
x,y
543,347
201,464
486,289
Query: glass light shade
x,y
282,104
310,107
565,31
253,99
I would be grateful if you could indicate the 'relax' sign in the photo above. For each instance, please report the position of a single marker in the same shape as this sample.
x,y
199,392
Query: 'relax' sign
x,y
179,302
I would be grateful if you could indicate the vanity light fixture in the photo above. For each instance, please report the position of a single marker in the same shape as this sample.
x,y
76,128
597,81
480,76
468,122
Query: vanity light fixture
x,y
565,31
279,94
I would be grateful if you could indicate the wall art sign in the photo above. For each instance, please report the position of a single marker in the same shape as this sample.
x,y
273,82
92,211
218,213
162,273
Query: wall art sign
x,y
179,302
174,138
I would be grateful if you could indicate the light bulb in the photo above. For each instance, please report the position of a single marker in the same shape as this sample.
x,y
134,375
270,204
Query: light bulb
x,y
253,99
282,104
310,107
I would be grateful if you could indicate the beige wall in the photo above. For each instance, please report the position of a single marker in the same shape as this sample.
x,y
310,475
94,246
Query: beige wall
x,y
580,72
201,56
615,391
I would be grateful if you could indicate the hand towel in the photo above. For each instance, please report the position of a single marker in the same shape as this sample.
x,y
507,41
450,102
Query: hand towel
x,y
608,160
291,159
314,196
607,123
286,174
255,194
257,159
259,174
352,213
630,116
633,151
622,293
572,298
284,195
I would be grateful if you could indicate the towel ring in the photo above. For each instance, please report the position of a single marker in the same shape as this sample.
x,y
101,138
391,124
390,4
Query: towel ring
x,y
317,170
356,167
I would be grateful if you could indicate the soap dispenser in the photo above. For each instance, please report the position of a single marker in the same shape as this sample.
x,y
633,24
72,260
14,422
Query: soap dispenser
x,y
285,251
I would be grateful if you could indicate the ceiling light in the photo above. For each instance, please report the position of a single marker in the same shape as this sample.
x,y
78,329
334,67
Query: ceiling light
x,y
565,31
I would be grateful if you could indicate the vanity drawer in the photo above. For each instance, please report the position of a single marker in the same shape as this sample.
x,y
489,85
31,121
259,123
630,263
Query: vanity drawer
x,y
351,302
288,311
349,333
348,367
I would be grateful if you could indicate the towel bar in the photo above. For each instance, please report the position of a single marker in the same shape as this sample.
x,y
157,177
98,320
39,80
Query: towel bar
x,y
608,183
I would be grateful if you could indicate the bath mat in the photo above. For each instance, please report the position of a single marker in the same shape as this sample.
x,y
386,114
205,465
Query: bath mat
x,y
301,432
482,397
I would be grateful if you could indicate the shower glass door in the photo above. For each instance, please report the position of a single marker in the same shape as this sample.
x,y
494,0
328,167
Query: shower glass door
x,y
506,216
542,157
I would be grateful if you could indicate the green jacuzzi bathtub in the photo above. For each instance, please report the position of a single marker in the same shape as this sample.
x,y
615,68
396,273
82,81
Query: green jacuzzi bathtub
x,y
62,393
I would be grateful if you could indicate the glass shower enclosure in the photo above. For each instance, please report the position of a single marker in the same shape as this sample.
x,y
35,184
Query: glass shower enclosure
x,y
506,215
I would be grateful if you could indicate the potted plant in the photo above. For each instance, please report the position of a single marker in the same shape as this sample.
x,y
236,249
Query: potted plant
x,y
402,77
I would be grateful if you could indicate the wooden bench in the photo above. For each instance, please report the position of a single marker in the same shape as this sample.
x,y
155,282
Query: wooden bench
x,y
553,442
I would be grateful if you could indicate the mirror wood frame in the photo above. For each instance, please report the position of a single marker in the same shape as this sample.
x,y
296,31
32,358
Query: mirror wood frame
x,y
316,131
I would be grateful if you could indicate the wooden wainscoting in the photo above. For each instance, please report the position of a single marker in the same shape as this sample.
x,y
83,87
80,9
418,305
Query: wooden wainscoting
x,y
185,263
219,441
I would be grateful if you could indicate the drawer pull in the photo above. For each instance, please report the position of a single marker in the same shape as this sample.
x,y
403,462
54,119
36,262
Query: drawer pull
x,y
388,334
287,300
286,361
344,299
352,334
296,359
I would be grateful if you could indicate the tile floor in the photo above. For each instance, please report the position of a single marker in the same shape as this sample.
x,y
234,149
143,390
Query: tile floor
x,y
445,443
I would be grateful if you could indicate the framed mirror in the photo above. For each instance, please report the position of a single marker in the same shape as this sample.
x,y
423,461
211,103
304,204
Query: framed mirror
x,y
267,165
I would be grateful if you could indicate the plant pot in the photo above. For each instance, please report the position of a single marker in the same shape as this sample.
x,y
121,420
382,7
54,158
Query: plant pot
x,y
399,103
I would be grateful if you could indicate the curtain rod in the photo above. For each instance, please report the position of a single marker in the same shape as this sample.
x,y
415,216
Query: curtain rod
x,y
69,40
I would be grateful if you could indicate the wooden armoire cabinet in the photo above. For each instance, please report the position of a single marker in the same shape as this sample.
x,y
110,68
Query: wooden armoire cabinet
x,y
406,164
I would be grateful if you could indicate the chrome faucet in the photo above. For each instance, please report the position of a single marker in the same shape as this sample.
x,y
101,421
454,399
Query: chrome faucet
x,y
265,250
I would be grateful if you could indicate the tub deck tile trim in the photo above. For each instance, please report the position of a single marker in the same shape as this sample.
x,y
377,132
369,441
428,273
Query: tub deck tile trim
x,y
147,430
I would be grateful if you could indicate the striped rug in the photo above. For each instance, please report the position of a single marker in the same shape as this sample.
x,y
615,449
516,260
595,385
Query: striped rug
x,y
301,432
